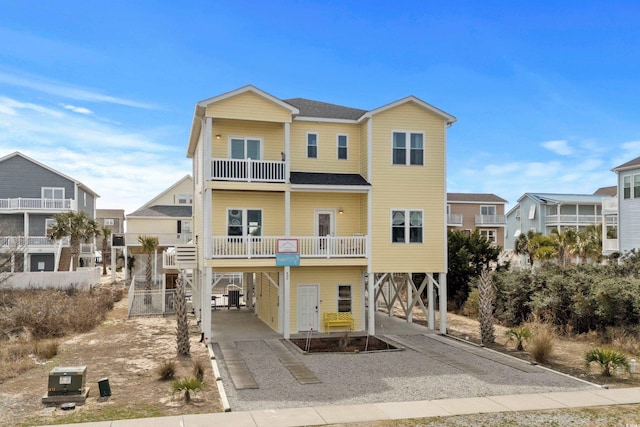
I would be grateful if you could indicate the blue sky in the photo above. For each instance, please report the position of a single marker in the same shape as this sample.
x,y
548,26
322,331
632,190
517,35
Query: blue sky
x,y
546,93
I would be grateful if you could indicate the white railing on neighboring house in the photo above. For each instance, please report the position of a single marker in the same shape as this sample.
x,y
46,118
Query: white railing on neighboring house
x,y
308,246
37,204
248,170
454,219
164,239
22,242
180,257
490,220
573,219
610,205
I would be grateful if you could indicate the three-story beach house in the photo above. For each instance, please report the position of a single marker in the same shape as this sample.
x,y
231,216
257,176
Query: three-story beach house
x,y
325,211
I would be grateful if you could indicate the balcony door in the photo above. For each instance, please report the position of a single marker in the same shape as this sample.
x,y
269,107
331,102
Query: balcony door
x,y
325,226
245,148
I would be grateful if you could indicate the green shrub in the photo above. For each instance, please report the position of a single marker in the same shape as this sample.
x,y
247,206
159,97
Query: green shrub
x,y
520,334
187,386
607,358
471,306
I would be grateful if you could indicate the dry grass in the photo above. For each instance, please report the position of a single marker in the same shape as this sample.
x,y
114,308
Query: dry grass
x,y
32,319
167,370
542,343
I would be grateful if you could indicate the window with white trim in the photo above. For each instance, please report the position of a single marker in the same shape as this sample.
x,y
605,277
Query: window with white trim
x,y
343,142
48,224
488,210
532,212
109,221
55,193
312,145
344,298
629,182
406,226
244,222
245,148
408,148
491,235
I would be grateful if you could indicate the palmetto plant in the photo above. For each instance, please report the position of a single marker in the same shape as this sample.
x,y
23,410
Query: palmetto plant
x,y
187,386
520,334
607,358
78,227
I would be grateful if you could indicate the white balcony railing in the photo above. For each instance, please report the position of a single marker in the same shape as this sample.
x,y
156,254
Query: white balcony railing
x,y
454,220
248,170
574,219
308,247
490,220
26,204
21,242
164,239
181,256
610,205
609,245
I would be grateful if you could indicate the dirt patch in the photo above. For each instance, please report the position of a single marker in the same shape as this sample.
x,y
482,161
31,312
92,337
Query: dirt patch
x,y
127,352
343,345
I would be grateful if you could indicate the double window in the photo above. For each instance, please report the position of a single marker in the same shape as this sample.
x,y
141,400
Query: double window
x,y
629,182
244,222
245,148
342,147
408,148
491,235
55,193
312,145
185,199
406,226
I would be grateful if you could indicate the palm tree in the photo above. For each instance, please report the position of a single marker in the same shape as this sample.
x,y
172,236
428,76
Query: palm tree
x,y
106,233
77,227
588,244
565,240
182,328
149,246
522,246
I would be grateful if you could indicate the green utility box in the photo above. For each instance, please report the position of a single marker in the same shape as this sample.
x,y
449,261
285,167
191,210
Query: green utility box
x,y
68,380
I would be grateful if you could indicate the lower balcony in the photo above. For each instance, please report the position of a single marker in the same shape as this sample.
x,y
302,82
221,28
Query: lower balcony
x,y
308,246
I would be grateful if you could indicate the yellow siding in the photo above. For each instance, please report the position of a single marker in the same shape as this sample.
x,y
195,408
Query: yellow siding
x,y
364,149
327,160
249,106
272,205
328,279
150,226
303,217
267,299
408,187
271,135
170,197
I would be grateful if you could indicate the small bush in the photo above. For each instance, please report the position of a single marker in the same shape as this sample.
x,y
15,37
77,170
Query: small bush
x,y
45,349
541,346
199,367
471,306
607,358
187,386
167,370
520,334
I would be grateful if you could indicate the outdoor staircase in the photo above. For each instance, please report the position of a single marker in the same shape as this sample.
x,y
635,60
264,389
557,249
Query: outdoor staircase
x,y
65,260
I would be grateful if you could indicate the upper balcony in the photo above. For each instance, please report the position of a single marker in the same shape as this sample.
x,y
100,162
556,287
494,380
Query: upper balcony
x,y
454,220
491,220
45,205
248,170
583,220
20,243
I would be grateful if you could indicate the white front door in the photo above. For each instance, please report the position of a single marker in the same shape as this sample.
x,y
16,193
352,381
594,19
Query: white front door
x,y
307,308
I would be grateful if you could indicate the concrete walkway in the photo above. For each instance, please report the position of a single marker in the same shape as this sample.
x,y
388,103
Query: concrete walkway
x,y
327,415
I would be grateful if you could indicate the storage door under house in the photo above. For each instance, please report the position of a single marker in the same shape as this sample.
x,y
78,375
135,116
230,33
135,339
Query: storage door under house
x,y
307,308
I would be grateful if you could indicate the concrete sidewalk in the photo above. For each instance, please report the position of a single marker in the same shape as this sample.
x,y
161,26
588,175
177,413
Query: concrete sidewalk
x,y
324,415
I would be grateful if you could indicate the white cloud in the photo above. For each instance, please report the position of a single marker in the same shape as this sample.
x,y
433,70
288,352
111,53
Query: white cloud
x,y
560,147
79,110
68,91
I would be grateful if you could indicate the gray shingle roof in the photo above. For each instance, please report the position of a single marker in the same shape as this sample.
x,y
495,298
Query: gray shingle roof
x,y
629,164
164,211
310,108
315,178
474,197
607,191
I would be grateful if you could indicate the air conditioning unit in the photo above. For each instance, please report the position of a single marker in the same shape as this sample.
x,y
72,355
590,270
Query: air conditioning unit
x,y
117,240
69,380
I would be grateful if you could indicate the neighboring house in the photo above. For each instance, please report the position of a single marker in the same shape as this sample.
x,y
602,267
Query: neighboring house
x,y
168,217
625,209
31,193
476,211
543,212
113,219
321,208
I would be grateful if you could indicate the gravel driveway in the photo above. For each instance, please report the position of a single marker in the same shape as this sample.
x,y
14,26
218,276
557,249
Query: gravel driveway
x,y
406,375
